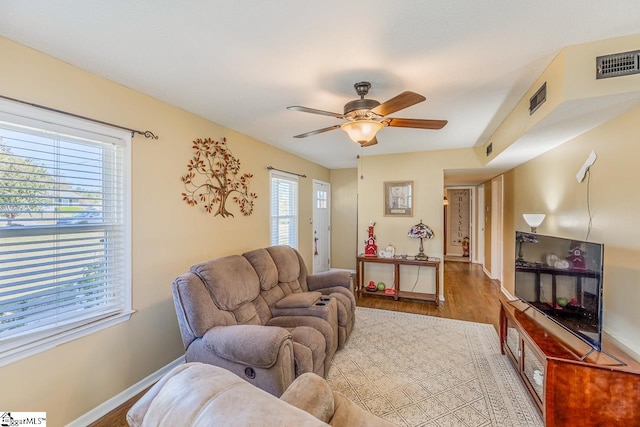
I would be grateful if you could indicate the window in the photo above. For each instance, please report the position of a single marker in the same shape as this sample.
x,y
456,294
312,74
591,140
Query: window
x,y
321,199
64,229
284,209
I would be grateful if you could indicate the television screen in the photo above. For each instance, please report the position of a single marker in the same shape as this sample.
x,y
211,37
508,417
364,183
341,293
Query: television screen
x,y
562,278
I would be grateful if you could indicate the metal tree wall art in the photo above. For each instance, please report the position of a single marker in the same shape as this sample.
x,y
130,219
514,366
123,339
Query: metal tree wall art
x,y
213,176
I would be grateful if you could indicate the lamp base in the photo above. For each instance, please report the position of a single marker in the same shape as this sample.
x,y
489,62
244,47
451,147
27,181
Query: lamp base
x,y
421,256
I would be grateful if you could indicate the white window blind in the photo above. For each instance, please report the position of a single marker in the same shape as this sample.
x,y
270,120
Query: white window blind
x,y
284,209
64,232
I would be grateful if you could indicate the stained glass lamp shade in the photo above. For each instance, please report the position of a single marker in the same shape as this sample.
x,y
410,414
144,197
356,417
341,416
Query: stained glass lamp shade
x,y
421,231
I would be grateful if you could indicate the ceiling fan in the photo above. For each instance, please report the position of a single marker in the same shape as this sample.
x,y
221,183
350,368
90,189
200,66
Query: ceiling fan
x,y
365,117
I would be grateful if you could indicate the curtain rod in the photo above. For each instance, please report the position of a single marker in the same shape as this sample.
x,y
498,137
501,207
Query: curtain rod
x,y
271,168
146,133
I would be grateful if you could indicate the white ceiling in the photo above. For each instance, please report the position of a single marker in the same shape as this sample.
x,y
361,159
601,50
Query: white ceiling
x,y
241,63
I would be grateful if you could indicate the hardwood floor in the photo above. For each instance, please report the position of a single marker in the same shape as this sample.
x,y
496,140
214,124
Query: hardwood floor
x,y
118,417
469,295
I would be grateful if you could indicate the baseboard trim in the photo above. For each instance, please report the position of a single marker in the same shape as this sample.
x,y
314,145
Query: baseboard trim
x,y
507,294
117,400
486,272
635,355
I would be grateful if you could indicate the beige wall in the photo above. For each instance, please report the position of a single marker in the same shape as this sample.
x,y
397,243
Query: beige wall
x,y
344,218
168,235
426,170
548,184
519,121
569,77
580,81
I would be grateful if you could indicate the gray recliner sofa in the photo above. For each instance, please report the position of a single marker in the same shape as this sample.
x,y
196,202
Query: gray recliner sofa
x,y
263,317
196,394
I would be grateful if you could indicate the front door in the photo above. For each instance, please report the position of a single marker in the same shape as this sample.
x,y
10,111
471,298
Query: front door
x,y
321,226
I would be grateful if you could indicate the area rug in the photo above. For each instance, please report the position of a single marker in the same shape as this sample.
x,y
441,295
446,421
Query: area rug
x,y
416,370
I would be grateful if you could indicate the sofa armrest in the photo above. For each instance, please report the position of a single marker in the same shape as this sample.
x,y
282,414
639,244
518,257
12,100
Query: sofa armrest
x,y
137,412
299,300
348,413
312,394
328,279
253,345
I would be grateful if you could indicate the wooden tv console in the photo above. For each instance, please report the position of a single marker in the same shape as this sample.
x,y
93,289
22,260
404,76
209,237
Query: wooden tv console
x,y
572,384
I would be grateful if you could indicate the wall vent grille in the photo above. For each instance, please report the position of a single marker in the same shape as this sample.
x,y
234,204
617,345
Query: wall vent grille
x,y
538,98
618,64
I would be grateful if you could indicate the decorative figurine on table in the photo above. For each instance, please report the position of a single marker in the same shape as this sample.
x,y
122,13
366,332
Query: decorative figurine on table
x,y
576,257
370,248
388,252
465,246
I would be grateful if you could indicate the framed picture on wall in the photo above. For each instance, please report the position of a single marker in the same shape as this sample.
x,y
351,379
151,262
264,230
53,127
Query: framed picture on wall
x,y
398,198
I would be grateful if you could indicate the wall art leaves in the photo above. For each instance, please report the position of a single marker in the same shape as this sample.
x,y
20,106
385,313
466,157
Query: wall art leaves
x,y
213,176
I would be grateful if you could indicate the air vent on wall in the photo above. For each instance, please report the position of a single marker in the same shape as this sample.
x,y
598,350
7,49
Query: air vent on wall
x,y
618,64
538,98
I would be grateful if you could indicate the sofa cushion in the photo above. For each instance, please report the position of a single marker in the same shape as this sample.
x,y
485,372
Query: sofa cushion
x,y
196,311
287,263
231,281
264,266
299,300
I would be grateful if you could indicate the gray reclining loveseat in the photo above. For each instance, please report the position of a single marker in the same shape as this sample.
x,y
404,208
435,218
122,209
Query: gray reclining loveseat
x,y
263,317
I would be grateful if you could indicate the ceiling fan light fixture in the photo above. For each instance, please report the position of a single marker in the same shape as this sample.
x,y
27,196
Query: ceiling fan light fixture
x,y
365,117
362,131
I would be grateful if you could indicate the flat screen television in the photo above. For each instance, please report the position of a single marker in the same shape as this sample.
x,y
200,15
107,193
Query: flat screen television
x,y
562,278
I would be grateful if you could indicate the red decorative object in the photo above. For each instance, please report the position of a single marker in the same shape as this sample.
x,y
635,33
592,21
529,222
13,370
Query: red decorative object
x,y
465,246
576,258
370,248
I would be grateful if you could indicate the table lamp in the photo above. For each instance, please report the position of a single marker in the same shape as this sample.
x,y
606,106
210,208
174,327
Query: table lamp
x,y
421,231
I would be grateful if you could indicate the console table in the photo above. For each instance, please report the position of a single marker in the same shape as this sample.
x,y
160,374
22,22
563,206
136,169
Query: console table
x,y
571,383
397,262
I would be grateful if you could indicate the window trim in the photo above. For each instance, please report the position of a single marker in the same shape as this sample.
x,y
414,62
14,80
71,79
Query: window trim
x,y
278,174
27,345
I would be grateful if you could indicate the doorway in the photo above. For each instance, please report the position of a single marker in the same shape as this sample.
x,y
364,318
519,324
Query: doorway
x,y
496,227
459,214
478,254
321,226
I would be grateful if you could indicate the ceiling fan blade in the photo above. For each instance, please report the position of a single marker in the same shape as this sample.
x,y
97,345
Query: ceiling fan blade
x,y
404,100
315,132
314,111
374,141
417,123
